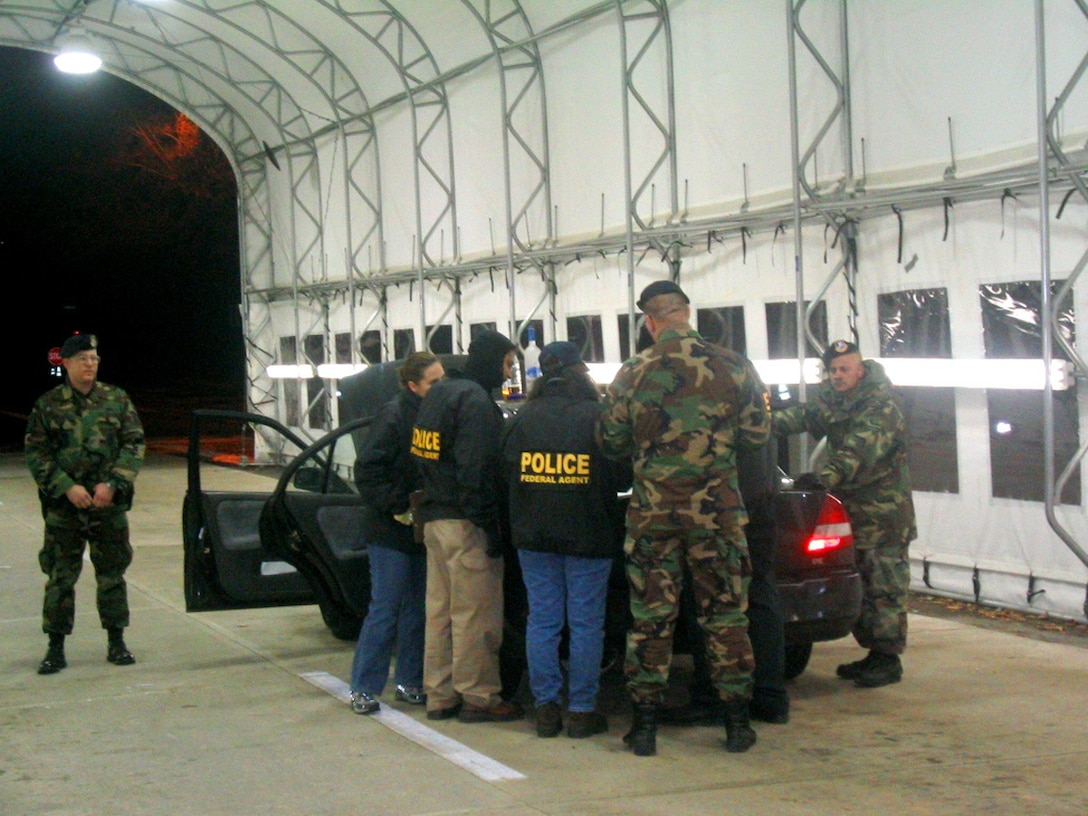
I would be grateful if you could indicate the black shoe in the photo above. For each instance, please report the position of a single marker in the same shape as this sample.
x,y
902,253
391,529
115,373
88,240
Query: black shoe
x,y
739,736
444,713
883,670
53,661
119,655
584,724
851,671
549,720
642,738
774,713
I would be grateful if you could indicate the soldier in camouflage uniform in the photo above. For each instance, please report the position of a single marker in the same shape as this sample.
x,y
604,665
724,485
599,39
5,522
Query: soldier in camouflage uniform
x,y
681,410
866,467
84,446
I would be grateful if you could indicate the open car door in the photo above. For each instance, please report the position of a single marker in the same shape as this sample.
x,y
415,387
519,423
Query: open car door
x,y
268,536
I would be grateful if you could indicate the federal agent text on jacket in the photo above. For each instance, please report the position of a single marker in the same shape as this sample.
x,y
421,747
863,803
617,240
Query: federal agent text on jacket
x,y
866,467
84,446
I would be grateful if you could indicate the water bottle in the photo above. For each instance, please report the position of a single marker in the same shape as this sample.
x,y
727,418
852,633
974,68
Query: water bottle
x,y
532,360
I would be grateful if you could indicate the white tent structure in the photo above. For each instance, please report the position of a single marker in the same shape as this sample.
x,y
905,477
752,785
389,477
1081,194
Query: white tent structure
x,y
907,173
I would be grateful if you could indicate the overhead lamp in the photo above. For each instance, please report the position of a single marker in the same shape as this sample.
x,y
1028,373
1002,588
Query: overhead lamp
x,y
76,54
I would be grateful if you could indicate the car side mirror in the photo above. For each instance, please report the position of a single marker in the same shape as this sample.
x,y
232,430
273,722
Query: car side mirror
x,y
311,479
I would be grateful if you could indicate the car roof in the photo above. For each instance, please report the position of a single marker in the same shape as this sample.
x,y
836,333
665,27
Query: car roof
x,y
362,394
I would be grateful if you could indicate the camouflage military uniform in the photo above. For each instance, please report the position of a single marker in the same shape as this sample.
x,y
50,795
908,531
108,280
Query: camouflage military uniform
x,y
681,409
81,439
866,467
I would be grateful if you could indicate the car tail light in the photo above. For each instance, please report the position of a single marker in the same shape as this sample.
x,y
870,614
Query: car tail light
x,y
833,531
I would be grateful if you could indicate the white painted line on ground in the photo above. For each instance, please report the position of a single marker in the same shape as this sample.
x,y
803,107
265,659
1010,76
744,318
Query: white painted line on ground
x,y
459,754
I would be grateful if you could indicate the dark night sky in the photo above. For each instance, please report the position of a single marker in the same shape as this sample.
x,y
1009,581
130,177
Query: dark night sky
x,y
89,242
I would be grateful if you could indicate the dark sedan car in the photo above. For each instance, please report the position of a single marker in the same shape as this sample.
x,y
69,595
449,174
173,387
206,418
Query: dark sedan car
x,y
296,538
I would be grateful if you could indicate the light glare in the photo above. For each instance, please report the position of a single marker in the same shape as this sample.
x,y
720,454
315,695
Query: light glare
x,y
76,55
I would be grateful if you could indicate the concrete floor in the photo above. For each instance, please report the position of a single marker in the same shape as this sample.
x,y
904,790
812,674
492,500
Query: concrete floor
x,y
242,713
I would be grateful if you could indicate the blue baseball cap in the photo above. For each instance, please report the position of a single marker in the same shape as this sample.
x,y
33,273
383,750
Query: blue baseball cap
x,y
561,354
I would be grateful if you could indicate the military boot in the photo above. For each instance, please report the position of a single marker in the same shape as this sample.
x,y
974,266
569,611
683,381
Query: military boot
x,y
54,660
883,670
851,671
117,652
642,738
739,736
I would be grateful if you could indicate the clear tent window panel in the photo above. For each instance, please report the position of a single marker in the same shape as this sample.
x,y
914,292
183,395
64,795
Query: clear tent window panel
x,y
916,323
1012,328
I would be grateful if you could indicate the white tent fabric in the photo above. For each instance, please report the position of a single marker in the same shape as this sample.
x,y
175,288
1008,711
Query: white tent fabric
x,y
407,163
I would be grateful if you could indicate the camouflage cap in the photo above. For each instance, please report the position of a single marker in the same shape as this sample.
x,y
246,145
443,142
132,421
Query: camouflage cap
x,y
77,343
838,349
660,288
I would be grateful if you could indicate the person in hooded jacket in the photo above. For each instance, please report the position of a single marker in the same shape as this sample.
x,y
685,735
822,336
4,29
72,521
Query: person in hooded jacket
x,y
866,467
563,511
386,476
456,442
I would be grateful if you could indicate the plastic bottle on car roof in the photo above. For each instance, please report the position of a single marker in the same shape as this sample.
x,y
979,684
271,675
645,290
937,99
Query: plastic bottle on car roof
x,y
532,360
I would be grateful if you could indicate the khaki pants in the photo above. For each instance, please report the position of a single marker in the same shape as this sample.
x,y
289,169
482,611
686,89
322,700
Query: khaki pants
x,y
464,616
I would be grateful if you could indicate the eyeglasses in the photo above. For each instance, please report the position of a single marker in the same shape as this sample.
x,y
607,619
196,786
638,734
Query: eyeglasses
x,y
93,359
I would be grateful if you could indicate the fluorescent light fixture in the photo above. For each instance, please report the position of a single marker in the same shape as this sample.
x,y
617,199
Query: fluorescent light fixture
x,y
76,54
1019,375
328,371
335,371
290,372
603,373
784,372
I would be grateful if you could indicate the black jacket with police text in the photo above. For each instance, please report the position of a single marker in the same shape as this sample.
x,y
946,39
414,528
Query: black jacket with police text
x,y
562,490
455,442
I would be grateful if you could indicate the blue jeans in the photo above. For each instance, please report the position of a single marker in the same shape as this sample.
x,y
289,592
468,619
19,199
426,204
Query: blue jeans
x,y
398,584
564,588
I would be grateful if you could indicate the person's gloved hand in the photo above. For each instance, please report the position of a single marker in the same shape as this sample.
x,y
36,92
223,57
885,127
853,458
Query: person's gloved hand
x,y
809,482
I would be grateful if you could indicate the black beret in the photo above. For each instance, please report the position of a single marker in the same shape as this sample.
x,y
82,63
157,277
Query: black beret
x,y
660,288
838,349
77,343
